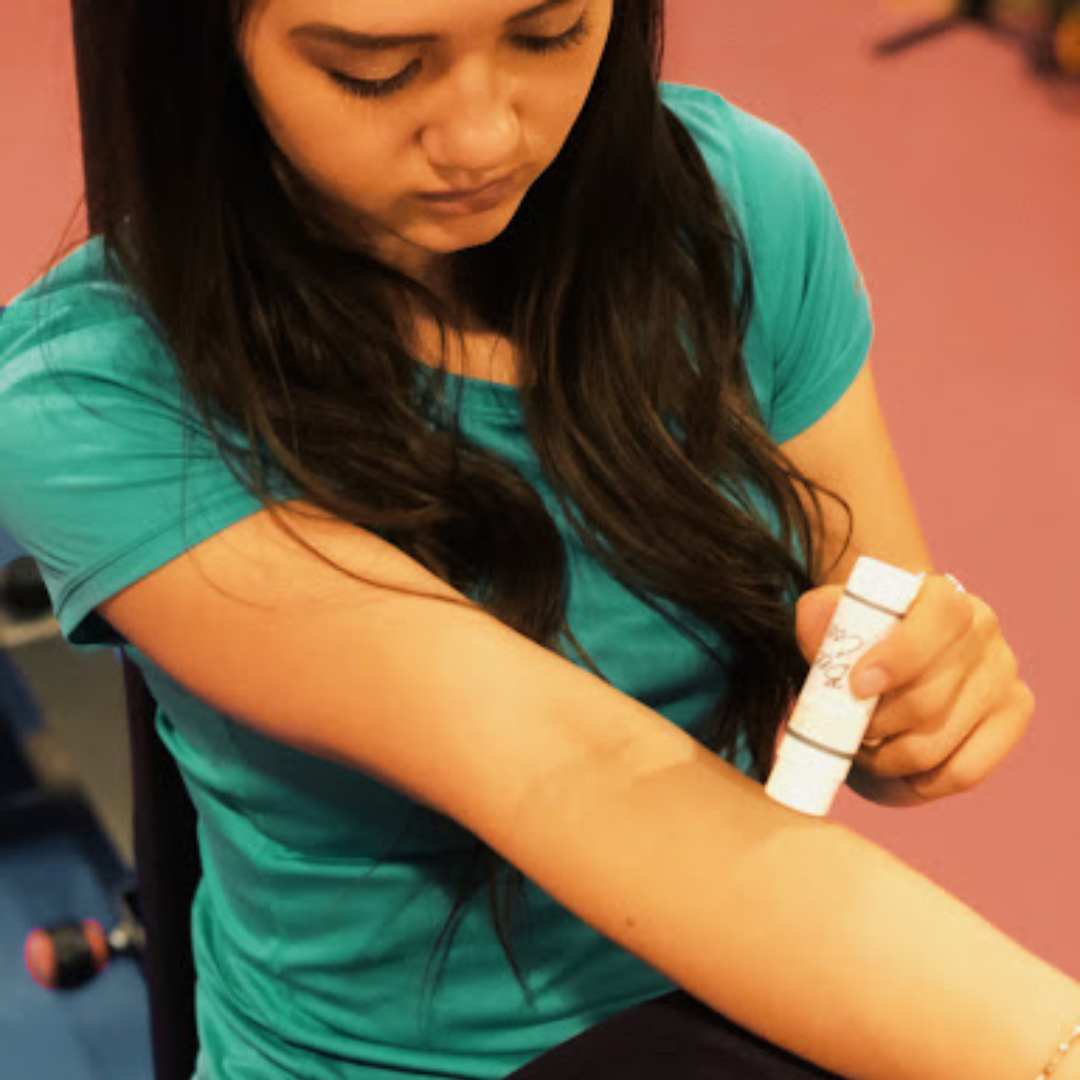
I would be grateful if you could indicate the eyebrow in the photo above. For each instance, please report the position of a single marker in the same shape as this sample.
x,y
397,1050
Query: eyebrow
x,y
351,39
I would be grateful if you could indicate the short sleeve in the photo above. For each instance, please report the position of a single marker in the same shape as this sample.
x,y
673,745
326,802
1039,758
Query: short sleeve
x,y
816,311
811,327
107,475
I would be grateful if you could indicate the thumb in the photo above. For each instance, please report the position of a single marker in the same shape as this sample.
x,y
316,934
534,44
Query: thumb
x,y
812,614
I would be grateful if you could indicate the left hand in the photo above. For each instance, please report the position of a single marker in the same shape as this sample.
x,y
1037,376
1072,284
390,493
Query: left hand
x,y
953,706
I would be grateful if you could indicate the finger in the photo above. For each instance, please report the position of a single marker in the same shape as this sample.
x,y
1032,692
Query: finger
x,y
925,747
813,613
926,704
938,617
982,752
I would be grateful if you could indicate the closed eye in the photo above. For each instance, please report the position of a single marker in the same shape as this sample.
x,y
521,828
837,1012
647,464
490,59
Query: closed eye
x,y
377,88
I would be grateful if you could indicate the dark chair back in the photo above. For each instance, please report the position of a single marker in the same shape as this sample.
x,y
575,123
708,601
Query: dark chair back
x,y
167,870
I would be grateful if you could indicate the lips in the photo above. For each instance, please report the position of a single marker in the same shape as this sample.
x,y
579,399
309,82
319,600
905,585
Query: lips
x,y
455,196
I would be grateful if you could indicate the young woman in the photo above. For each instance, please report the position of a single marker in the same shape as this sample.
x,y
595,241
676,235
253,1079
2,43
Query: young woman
x,y
538,634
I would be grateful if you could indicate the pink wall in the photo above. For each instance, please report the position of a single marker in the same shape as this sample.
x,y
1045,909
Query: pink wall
x,y
41,179
955,174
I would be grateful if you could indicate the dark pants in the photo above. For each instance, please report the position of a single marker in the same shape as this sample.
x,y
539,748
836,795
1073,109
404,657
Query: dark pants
x,y
673,1037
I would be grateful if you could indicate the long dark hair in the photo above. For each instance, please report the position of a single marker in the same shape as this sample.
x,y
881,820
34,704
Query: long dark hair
x,y
286,334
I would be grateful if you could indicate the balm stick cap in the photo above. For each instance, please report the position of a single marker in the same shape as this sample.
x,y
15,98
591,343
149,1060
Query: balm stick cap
x,y
806,779
887,586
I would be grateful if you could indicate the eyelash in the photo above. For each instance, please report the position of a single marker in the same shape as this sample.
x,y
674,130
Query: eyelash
x,y
368,88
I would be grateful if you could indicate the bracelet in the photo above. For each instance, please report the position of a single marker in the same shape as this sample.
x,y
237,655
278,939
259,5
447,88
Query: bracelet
x,y
1062,1050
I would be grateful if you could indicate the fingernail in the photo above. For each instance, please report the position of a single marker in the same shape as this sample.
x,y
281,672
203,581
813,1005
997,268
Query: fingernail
x,y
870,683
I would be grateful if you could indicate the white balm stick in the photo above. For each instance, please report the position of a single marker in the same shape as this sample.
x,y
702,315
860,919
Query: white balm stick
x,y
828,722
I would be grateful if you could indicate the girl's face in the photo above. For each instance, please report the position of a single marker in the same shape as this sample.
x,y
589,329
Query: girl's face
x,y
493,89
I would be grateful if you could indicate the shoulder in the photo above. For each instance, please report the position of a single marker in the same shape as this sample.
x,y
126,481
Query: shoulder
x,y
754,160
78,320
83,291
769,180
811,324
107,473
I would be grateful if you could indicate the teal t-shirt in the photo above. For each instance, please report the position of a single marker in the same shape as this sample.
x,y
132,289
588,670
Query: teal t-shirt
x,y
318,909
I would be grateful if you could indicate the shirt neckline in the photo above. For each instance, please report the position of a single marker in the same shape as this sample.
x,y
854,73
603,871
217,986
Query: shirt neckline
x,y
479,395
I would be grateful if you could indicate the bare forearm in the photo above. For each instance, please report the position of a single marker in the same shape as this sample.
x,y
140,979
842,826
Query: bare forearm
x,y
798,929
877,972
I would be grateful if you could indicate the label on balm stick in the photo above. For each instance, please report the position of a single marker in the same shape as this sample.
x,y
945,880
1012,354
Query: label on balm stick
x,y
828,721
827,711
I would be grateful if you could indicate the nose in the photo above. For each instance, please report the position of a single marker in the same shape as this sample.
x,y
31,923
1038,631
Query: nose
x,y
475,138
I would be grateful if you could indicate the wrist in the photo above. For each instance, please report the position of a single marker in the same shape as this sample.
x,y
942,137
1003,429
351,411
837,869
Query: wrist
x,y
1061,1055
1064,1062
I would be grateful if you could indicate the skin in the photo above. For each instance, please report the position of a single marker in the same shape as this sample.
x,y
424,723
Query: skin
x,y
478,107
